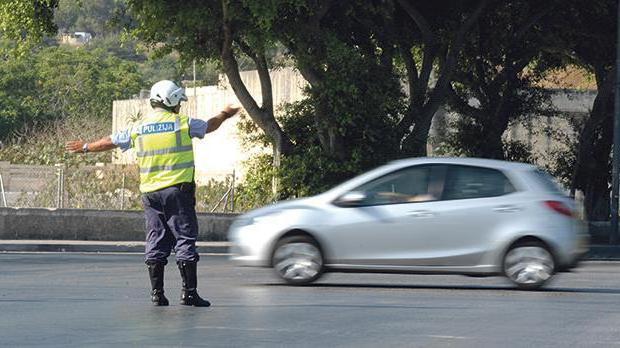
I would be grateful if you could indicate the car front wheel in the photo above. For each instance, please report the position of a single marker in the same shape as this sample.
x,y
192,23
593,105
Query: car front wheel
x,y
529,265
298,260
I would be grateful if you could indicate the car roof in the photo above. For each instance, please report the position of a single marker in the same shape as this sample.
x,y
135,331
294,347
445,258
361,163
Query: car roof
x,y
471,161
403,163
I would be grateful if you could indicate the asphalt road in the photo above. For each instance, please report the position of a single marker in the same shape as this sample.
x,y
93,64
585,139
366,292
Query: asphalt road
x,y
102,300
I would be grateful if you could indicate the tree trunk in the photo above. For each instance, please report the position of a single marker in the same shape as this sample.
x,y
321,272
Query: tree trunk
x,y
414,143
596,186
591,172
331,140
492,146
496,119
262,116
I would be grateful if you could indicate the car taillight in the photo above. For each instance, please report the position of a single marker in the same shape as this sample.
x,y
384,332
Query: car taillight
x,y
559,207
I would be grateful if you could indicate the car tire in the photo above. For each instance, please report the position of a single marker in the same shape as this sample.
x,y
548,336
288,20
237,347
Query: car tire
x,y
529,265
298,260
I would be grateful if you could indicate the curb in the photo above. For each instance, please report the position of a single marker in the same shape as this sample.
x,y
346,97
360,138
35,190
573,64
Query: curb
x,y
96,246
603,252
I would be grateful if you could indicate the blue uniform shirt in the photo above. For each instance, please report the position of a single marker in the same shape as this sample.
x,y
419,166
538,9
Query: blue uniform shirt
x,y
197,129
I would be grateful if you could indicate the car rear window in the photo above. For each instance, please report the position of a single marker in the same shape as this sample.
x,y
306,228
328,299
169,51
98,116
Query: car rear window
x,y
466,182
547,182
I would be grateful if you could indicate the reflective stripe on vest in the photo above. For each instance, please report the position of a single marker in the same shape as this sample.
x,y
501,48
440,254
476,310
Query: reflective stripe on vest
x,y
172,167
164,151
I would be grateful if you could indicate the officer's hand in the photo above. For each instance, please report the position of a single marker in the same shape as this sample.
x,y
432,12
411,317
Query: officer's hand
x,y
231,110
74,146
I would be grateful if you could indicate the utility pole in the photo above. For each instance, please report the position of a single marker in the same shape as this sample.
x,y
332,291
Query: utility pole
x,y
613,237
195,98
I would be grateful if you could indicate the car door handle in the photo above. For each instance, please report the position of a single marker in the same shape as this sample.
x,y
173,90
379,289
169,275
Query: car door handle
x,y
421,213
506,209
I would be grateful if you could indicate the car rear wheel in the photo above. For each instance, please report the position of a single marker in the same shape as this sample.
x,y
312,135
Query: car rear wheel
x,y
529,265
298,260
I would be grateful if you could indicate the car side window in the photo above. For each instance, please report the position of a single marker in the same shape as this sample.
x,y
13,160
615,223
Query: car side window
x,y
402,186
466,182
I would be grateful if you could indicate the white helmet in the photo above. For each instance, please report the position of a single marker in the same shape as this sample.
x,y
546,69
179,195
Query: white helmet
x,y
167,93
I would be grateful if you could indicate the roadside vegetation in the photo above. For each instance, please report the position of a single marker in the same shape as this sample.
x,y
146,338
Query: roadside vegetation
x,y
378,72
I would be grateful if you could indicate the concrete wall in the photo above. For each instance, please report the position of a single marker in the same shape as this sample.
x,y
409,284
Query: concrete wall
x,y
98,225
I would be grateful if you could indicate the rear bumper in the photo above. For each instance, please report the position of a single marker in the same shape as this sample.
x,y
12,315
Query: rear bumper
x,y
577,254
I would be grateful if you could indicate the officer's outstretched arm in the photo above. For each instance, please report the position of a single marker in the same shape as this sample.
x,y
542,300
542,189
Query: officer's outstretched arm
x,y
215,122
78,146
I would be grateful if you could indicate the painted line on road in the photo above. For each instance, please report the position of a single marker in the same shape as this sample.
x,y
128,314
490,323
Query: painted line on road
x,y
450,337
244,329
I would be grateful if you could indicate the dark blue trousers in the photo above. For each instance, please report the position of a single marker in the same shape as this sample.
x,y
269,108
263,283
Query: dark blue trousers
x,y
171,223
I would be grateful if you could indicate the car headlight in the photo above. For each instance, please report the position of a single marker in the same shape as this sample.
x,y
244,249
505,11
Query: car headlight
x,y
260,219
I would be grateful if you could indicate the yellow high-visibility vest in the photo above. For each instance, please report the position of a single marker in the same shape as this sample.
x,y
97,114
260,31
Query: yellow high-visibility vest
x,y
164,151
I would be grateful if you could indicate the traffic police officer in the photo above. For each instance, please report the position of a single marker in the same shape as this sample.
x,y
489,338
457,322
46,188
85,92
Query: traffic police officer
x,y
163,144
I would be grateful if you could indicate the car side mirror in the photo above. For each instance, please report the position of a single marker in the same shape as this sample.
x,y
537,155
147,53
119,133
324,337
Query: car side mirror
x,y
351,199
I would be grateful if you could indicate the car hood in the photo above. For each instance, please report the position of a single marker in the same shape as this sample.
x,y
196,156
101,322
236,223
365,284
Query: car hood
x,y
300,203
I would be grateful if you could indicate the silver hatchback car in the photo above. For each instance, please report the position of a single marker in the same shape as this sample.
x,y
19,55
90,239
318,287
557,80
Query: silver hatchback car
x,y
424,215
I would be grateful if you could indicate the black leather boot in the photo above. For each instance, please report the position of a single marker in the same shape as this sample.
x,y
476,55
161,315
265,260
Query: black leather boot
x,y
189,295
156,273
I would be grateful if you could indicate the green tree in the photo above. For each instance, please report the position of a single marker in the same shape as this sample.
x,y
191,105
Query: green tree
x,y
429,37
19,104
214,31
499,67
56,86
590,33
26,22
82,83
97,17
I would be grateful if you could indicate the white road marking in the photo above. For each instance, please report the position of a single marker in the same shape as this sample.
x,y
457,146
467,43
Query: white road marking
x,y
450,337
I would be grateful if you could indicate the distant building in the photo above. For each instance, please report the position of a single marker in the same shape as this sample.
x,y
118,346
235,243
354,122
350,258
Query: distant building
x,y
77,38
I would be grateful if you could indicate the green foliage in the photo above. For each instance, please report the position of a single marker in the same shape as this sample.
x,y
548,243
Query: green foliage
x,y
462,140
102,187
59,94
26,22
19,102
93,16
257,188
82,83
113,44
499,69
309,169
518,151
562,159
45,144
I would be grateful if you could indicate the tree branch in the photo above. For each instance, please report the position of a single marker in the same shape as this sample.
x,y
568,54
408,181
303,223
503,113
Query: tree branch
x,y
231,68
533,20
323,7
420,21
263,117
412,71
451,58
462,104
263,74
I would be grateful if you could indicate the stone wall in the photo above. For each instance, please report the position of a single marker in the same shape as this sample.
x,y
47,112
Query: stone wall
x,y
96,225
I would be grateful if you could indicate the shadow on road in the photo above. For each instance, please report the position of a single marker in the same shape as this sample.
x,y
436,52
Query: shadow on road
x,y
451,287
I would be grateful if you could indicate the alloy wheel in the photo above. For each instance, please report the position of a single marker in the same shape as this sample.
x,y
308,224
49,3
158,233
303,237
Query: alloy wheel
x,y
529,267
298,262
